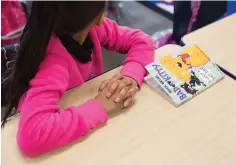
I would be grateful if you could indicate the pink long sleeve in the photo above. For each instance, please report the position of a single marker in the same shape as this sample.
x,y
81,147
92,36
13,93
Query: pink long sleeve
x,y
138,46
43,125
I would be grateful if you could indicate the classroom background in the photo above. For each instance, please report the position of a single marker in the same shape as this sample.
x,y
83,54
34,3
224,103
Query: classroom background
x,y
153,131
153,17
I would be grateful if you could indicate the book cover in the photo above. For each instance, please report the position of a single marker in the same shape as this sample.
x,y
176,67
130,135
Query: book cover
x,y
183,74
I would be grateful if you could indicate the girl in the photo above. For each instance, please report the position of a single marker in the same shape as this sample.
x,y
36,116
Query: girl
x,y
61,49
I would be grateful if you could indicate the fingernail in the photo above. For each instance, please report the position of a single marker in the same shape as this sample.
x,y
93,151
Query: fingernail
x,y
117,100
108,94
126,104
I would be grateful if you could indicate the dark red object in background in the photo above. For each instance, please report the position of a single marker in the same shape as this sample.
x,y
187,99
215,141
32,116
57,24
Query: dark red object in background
x,y
13,19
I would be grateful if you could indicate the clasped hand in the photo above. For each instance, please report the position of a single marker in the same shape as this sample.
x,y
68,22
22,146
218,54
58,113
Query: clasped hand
x,y
117,93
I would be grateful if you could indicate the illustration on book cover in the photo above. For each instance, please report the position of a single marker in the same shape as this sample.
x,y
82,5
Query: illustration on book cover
x,y
184,73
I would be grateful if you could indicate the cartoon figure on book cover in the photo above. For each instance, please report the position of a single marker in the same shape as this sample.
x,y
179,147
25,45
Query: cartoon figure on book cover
x,y
187,87
195,81
183,66
183,74
194,57
176,66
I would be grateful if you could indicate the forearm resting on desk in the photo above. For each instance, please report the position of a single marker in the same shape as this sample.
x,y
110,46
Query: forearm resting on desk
x,y
47,128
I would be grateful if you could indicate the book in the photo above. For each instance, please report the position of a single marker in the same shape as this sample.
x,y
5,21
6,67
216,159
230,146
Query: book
x,y
183,74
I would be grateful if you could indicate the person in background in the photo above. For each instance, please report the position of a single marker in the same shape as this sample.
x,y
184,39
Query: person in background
x,y
13,18
60,49
113,9
189,16
193,15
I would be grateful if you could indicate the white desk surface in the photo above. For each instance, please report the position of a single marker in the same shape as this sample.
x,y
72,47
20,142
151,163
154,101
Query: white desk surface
x,y
152,132
218,40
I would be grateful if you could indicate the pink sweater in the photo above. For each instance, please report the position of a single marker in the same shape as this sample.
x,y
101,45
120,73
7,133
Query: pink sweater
x,y
43,126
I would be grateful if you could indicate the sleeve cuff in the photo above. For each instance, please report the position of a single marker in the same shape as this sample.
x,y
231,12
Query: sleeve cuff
x,y
93,113
135,71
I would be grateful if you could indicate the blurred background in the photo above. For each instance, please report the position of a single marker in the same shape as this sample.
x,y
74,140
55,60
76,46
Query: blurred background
x,y
135,15
166,21
159,18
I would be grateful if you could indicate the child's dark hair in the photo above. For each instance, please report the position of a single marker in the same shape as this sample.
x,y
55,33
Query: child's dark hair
x,y
45,18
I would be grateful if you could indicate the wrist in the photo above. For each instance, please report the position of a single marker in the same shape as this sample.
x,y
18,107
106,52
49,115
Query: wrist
x,y
100,101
